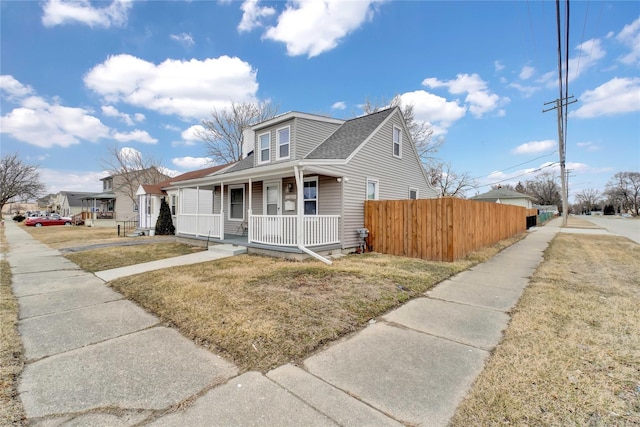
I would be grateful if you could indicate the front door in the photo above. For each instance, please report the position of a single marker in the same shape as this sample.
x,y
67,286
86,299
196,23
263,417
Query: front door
x,y
272,208
272,198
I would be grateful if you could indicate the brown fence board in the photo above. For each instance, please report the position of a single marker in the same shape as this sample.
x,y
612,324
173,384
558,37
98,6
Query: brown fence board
x,y
444,229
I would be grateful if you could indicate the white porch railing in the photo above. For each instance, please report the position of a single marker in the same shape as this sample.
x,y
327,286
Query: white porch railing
x,y
281,230
200,225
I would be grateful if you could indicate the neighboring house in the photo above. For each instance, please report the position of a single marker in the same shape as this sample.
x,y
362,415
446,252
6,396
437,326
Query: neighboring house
x,y
69,203
506,197
150,196
305,183
115,202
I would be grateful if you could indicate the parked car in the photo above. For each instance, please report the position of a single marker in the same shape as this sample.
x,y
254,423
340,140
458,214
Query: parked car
x,y
54,219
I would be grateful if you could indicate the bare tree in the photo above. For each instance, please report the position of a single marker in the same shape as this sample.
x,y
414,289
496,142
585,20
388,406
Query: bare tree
x,y
544,188
623,190
222,133
18,180
421,132
132,169
450,183
588,199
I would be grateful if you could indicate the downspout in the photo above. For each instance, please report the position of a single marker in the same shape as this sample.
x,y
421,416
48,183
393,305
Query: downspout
x,y
300,222
250,211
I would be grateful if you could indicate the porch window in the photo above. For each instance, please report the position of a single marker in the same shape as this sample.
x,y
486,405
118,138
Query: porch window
x,y
397,142
149,206
284,145
413,193
236,202
265,147
372,189
311,196
173,204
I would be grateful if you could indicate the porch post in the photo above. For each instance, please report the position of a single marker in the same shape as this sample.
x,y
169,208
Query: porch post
x,y
197,210
250,211
222,210
300,204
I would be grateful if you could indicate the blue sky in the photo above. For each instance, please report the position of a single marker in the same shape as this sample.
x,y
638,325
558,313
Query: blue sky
x,y
77,76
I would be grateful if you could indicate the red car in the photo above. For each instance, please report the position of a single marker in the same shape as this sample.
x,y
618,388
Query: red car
x,y
39,221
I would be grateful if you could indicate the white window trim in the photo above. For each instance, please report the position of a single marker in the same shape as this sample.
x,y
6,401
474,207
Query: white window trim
x,y
366,189
417,192
278,143
393,142
260,161
317,199
236,187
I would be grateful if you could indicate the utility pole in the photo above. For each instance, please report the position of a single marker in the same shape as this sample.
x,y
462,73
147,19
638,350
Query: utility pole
x,y
560,103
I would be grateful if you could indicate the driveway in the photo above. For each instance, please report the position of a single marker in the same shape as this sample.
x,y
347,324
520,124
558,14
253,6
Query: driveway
x,y
626,227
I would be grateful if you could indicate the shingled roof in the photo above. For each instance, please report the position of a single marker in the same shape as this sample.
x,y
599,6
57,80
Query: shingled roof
x,y
348,137
200,173
501,193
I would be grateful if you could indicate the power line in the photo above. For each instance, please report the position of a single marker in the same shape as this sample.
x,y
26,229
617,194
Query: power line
x,y
520,164
517,176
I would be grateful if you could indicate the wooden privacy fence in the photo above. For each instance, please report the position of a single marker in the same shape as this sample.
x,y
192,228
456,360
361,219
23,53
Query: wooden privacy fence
x,y
443,229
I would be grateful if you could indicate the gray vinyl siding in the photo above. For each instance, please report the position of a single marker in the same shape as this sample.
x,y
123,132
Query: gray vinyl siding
x,y
375,160
305,135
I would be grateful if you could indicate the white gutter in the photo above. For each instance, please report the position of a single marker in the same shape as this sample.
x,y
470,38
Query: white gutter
x,y
299,236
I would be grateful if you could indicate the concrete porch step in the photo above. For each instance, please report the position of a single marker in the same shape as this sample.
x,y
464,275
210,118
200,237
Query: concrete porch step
x,y
228,249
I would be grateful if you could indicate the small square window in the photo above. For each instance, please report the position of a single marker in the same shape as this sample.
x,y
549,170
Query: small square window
x,y
413,193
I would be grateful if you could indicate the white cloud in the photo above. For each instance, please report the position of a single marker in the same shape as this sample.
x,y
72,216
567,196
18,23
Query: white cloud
x,y
433,110
630,36
13,88
313,27
252,15
192,163
527,91
111,111
534,147
479,99
498,65
59,12
589,53
527,72
617,96
45,125
136,135
589,146
186,88
340,105
183,38
190,135
71,180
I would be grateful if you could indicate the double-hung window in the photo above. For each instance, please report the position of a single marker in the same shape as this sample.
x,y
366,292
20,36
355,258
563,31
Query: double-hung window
x,y
236,202
397,142
283,137
264,142
311,196
372,189
173,204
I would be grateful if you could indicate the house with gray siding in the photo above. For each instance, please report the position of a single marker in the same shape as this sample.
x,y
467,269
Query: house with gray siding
x,y
302,183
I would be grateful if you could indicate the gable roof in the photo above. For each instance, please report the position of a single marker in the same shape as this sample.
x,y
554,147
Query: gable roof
x,y
501,193
348,137
200,173
75,198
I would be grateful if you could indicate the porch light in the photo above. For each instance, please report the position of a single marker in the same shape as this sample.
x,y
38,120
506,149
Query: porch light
x,y
290,187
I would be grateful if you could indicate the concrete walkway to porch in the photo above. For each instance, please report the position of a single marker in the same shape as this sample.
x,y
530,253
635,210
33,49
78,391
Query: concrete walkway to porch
x,y
94,358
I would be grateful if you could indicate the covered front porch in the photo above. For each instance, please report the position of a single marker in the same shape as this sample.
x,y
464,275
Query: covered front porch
x,y
270,211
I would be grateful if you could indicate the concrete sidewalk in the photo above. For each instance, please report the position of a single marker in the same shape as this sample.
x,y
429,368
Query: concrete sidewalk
x,y
94,358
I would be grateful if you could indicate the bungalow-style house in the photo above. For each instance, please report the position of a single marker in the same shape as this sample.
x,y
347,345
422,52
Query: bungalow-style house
x,y
303,182
506,197
118,200
69,203
150,196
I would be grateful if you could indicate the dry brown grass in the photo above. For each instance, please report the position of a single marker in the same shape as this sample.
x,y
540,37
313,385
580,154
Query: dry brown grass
x,y
11,350
571,355
573,222
262,312
60,237
121,256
